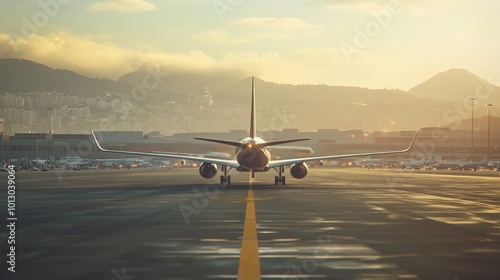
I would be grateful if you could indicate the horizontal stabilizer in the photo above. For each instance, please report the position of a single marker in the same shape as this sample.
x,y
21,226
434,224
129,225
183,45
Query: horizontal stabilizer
x,y
225,142
280,142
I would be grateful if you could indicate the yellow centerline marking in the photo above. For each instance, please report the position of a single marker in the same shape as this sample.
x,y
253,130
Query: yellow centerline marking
x,y
249,267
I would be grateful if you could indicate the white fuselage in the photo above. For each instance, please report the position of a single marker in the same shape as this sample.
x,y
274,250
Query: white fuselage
x,y
251,157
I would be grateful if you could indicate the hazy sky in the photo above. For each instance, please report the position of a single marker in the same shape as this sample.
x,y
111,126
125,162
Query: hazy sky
x,y
373,44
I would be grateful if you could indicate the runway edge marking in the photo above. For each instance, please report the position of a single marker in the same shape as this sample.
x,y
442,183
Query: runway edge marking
x,y
249,266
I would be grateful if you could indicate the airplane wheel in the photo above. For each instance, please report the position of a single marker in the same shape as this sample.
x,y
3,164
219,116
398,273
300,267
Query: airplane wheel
x,y
276,180
283,180
228,180
221,180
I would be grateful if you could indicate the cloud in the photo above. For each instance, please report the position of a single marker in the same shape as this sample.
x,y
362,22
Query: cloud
x,y
98,57
371,6
212,36
126,6
221,37
287,24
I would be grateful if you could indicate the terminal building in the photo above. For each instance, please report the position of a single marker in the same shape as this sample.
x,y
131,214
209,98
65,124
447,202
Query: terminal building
x,y
441,142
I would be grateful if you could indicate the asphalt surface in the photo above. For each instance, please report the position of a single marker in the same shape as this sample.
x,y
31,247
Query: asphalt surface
x,y
334,224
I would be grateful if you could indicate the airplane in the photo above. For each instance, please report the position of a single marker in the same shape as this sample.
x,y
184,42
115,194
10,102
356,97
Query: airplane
x,y
371,163
253,154
462,165
77,165
115,162
495,164
418,164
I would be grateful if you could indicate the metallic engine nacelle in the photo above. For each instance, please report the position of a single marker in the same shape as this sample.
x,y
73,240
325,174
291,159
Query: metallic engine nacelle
x,y
208,170
299,170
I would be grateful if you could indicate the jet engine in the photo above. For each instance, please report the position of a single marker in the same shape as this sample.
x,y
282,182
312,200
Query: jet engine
x,y
208,170
299,170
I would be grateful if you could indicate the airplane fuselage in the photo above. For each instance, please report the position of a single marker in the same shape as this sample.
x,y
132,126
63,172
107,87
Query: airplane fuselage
x,y
251,156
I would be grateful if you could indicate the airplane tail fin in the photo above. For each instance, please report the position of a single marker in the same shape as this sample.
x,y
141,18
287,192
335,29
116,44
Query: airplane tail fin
x,y
253,130
486,159
253,124
423,159
432,159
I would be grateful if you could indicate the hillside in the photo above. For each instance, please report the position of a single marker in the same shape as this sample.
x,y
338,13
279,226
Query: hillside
x,y
19,75
281,105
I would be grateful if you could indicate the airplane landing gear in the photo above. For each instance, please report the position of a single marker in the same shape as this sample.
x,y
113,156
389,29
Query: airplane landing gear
x,y
280,179
225,179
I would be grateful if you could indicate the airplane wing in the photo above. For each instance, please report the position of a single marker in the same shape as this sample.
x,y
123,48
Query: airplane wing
x,y
276,163
230,163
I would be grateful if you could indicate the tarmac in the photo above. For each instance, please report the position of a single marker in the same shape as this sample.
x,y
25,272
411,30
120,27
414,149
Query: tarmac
x,y
337,223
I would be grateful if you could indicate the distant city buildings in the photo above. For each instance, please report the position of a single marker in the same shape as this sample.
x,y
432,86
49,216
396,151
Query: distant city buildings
x,y
201,111
66,113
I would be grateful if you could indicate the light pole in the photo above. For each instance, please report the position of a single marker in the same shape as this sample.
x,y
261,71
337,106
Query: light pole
x,y
489,105
472,99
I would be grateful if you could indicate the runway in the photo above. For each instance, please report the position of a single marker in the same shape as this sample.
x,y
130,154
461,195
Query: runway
x,y
334,224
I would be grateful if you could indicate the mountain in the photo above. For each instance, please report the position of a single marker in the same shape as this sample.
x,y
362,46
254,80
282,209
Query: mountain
x,y
434,102
232,87
457,85
280,105
19,75
181,82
